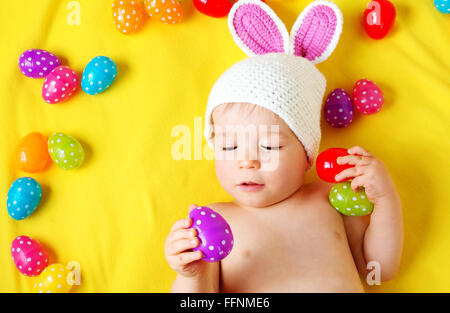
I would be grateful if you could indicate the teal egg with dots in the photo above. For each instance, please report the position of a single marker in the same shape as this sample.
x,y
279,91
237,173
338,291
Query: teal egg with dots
x,y
442,5
65,151
23,197
348,202
98,75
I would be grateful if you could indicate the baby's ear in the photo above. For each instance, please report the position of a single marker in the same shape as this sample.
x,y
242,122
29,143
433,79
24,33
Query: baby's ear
x,y
316,31
256,28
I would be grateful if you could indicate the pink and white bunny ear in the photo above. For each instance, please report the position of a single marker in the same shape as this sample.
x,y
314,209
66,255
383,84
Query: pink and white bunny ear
x,y
256,28
316,31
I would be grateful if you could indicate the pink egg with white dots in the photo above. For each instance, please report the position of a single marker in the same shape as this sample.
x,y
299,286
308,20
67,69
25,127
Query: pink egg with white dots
x,y
367,97
29,256
59,85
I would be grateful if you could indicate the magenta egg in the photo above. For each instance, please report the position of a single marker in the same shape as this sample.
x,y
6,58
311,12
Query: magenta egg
x,y
367,97
59,85
338,108
216,238
37,63
29,256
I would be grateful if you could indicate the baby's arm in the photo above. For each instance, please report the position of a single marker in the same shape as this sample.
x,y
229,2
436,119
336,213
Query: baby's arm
x,y
194,274
383,237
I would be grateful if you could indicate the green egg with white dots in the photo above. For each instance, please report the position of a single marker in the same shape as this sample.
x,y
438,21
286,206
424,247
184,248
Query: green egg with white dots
x,y
348,202
65,151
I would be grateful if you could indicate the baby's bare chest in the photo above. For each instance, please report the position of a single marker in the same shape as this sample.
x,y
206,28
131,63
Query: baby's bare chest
x,y
296,250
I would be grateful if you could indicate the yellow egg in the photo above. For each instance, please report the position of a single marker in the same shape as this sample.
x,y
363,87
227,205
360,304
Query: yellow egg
x,y
53,280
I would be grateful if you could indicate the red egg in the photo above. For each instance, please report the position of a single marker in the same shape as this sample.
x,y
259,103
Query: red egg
x,y
215,8
59,85
367,97
29,256
379,17
327,167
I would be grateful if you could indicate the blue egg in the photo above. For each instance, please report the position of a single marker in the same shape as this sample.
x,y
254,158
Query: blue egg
x,y
98,75
442,5
24,196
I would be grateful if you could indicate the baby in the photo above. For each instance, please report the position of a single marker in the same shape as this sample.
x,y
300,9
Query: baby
x,y
263,122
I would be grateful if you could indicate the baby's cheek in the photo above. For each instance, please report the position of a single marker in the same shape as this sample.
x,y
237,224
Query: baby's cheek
x,y
224,172
291,170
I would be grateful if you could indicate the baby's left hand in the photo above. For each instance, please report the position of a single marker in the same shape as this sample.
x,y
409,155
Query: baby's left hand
x,y
368,172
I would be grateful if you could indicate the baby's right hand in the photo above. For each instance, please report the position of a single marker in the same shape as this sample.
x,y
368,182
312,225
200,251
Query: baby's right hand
x,y
178,249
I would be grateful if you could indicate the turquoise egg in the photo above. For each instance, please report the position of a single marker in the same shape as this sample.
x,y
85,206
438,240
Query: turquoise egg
x,y
442,5
23,197
98,75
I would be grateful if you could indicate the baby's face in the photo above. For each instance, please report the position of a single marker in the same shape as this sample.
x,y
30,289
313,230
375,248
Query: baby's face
x,y
259,160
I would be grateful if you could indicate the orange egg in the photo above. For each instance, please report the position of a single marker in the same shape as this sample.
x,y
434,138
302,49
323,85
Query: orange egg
x,y
32,154
167,11
128,15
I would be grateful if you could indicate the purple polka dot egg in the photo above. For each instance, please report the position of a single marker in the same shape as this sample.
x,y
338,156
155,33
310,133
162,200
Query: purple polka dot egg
x,y
37,63
338,108
216,238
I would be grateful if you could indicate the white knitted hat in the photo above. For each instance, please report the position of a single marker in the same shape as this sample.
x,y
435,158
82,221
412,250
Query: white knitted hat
x,y
280,74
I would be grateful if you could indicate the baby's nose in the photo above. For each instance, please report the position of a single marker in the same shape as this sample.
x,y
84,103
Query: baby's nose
x,y
249,164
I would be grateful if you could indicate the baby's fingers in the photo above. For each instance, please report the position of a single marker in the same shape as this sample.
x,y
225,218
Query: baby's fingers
x,y
191,207
188,257
184,223
350,173
356,183
181,245
354,160
360,151
184,234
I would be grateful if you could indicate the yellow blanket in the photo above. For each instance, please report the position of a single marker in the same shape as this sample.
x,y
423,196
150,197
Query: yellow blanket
x,y
112,214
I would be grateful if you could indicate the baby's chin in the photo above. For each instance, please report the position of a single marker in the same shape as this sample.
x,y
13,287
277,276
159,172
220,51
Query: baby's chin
x,y
255,200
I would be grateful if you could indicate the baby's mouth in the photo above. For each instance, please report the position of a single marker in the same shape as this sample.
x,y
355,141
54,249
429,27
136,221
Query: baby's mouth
x,y
250,186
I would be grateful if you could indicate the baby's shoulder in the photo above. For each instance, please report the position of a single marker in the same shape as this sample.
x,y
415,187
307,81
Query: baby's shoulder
x,y
318,189
221,206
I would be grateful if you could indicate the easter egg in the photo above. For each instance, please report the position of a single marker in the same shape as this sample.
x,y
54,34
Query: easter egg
x,y
215,8
23,197
98,75
348,202
338,108
37,63
216,238
128,16
166,11
326,164
367,97
29,256
442,5
59,85
32,154
65,151
379,17
53,279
